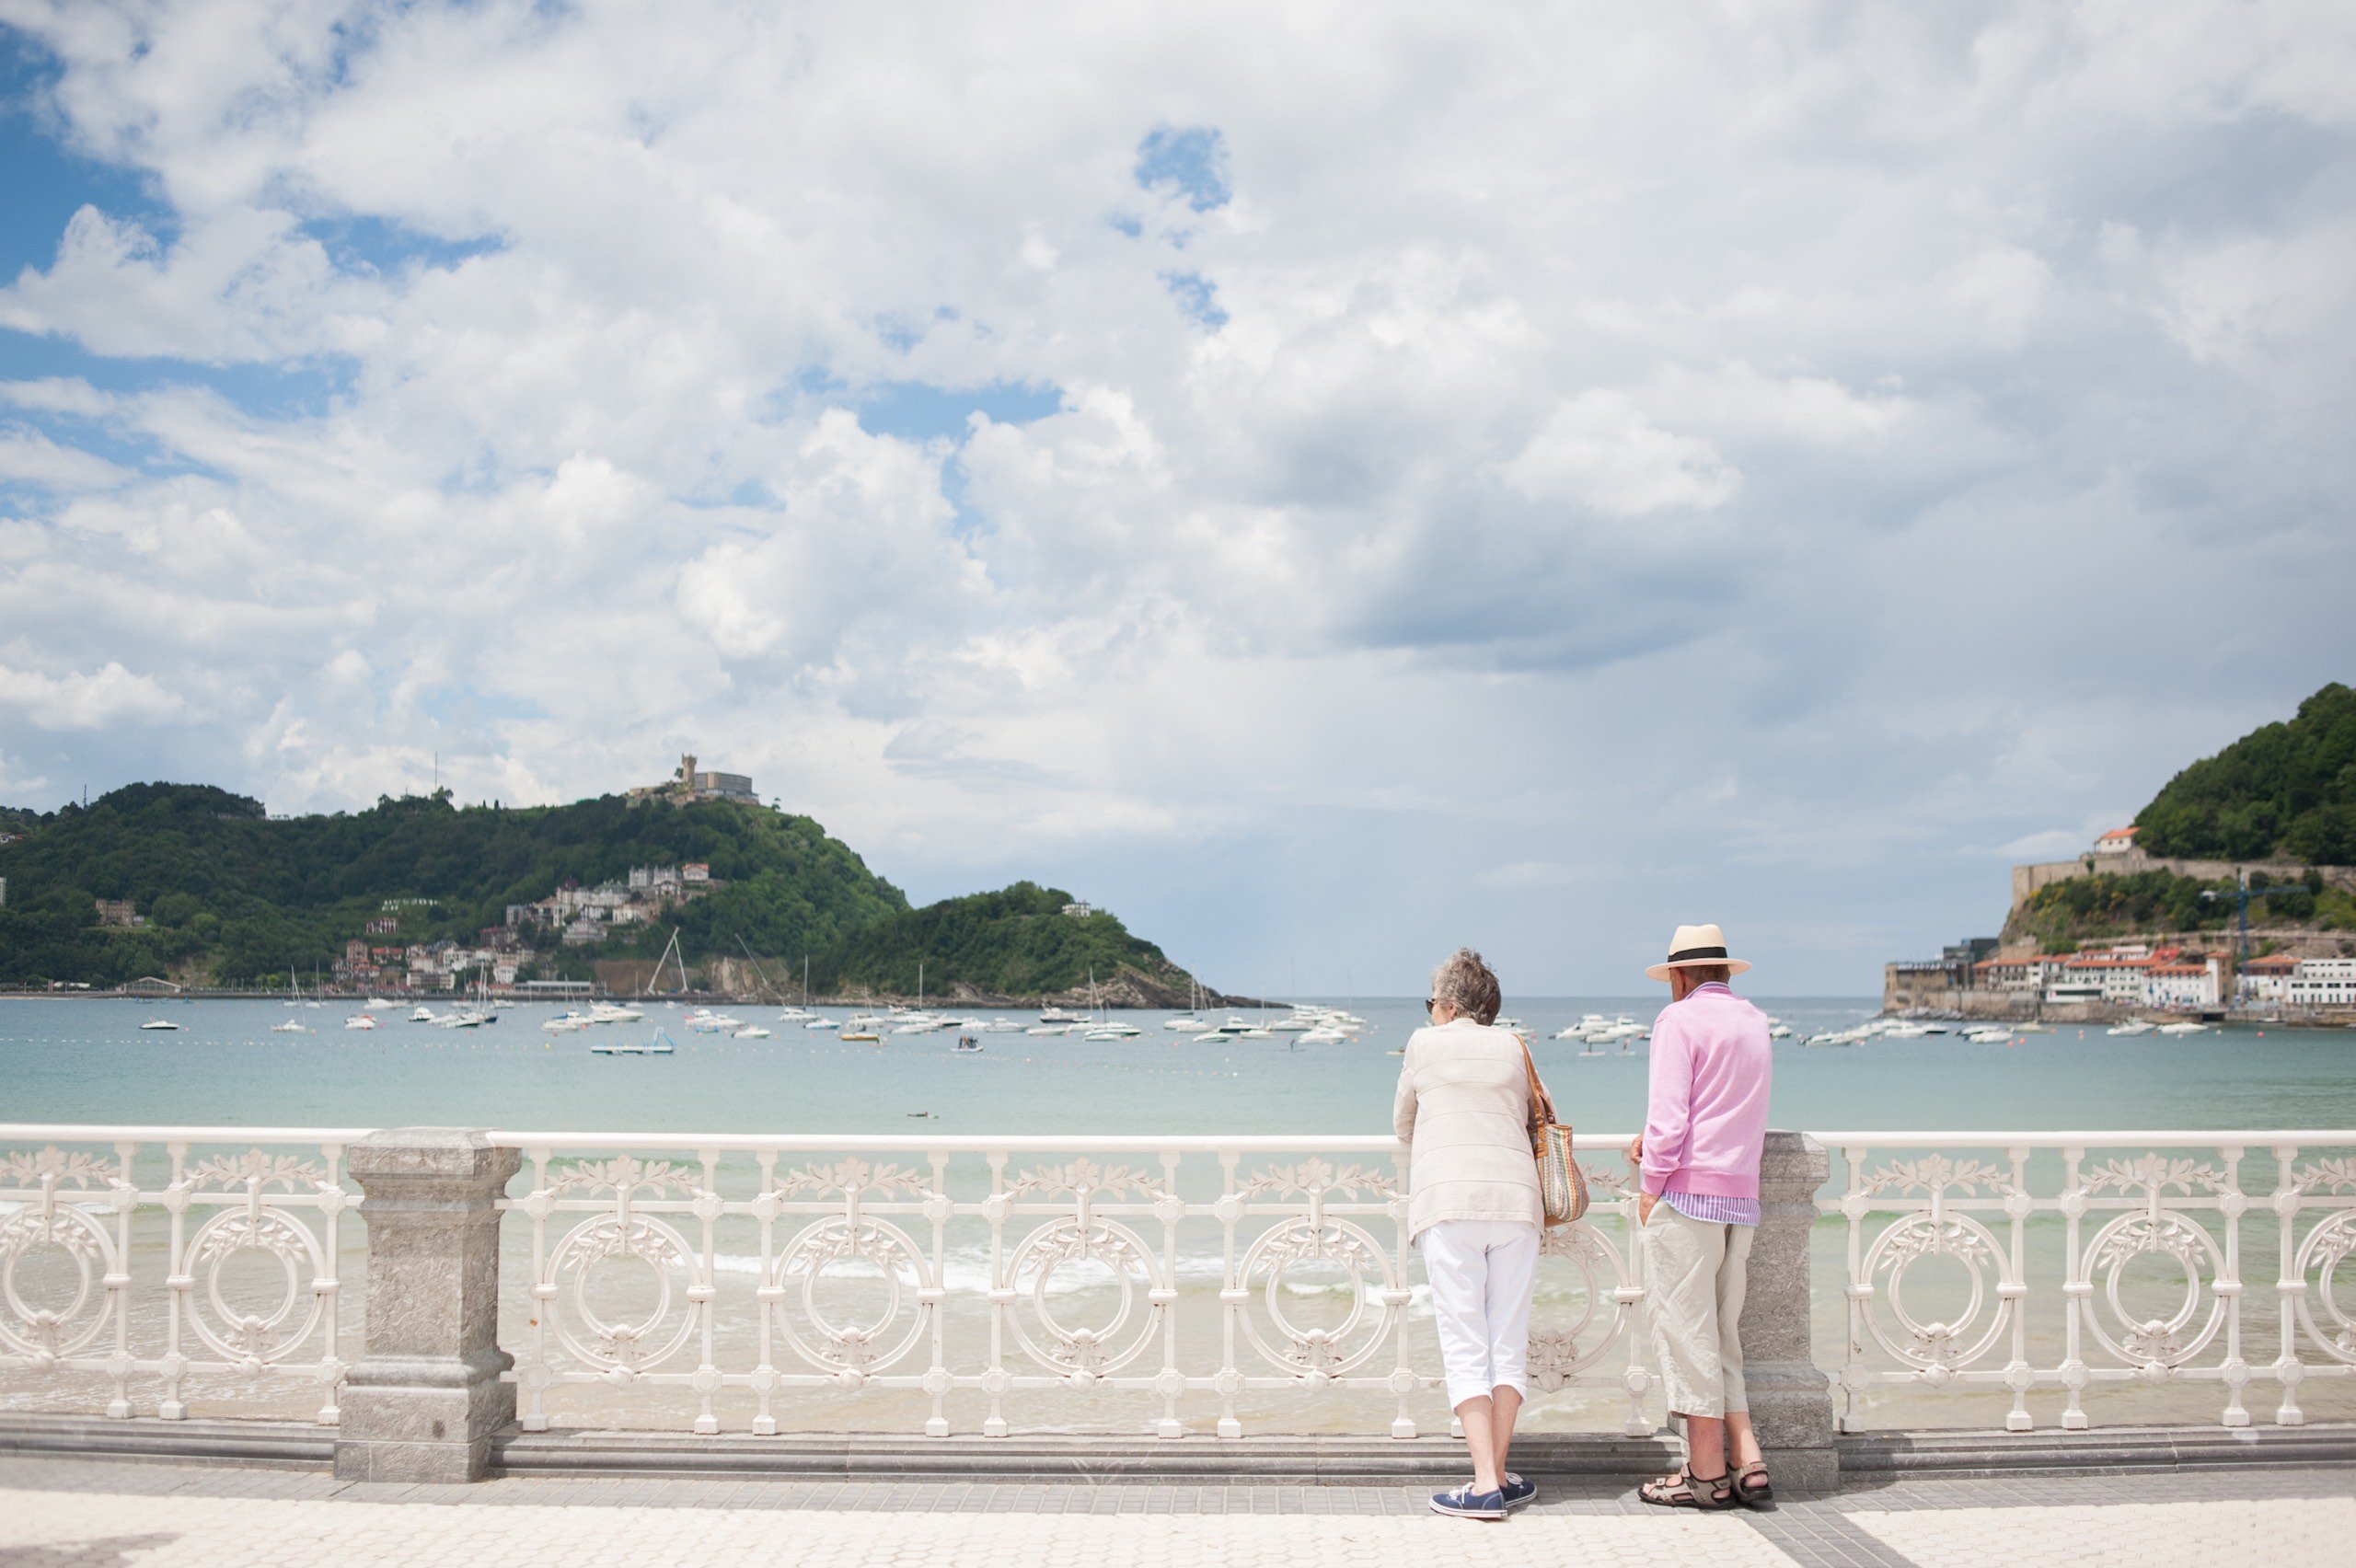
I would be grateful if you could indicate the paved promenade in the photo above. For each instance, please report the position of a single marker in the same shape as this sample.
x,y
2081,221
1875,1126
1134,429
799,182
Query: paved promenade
x,y
92,1513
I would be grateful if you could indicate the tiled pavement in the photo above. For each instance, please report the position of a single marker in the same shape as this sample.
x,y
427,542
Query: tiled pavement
x,y
93,1513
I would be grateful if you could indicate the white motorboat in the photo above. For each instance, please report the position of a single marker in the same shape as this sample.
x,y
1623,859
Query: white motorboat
x,y
2132,1029
1988,1036
817,1022
750,1031
2185,1026
1114,1032
966,1046
566,1023
422,1014
1052,1029
703,1020
162,1023
361,1020
613,1013
1186,1023
1002,1026
378,1004
289,1027
1778,1030
1062,1015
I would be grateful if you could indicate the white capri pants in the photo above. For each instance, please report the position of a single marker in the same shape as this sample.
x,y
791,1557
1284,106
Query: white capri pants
x,y
1481,1273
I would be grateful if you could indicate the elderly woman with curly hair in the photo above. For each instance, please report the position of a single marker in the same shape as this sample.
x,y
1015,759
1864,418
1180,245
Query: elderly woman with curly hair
x,y
1473,1207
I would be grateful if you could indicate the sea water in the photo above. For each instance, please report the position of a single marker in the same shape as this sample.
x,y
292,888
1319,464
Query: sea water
x,y
87,1061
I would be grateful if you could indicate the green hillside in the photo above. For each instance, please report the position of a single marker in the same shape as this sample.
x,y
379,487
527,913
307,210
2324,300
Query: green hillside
x,y
2065,916
1017,941
2286,791
228,896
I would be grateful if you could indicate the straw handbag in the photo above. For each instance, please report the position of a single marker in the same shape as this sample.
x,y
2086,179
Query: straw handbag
x,y
1561,1182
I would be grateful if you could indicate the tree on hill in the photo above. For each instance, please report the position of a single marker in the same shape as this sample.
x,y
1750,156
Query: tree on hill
x,y
2288,789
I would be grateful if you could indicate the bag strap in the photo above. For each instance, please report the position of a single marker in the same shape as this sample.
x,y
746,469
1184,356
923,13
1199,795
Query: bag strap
x,y
1542,1104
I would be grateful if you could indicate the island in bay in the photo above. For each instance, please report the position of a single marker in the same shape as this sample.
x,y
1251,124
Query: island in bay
x,y
690,886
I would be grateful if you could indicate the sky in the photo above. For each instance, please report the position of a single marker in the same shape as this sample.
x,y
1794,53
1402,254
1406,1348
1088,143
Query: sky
x,y
1328,481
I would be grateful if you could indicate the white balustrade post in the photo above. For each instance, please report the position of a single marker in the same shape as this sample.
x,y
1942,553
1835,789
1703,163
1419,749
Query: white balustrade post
x,y
426,1396
1791,1400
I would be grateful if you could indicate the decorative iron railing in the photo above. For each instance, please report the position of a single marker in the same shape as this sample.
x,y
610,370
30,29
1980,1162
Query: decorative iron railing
x,y
152,1260
979,1284
766,1224
2057,1239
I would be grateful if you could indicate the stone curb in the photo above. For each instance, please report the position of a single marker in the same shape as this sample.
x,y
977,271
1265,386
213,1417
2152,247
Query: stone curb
x,y
1866,1459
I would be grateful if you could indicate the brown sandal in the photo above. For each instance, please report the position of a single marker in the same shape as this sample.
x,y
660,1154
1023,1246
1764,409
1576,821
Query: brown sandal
x,y
1685,1490
1751,1487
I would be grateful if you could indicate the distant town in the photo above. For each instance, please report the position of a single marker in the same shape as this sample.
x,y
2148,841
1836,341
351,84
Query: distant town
x,y
2302,974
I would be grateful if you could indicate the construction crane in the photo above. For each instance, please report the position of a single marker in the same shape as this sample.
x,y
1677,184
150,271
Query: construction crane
x,y
2241,895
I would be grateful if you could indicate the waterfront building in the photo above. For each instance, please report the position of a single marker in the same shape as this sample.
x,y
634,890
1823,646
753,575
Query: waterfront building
x,y
2184,986
2118,841
2014,971
2117,975
2266,981
2324,983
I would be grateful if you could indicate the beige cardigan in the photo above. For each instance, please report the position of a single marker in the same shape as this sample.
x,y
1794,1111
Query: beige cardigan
x,y
1463,1106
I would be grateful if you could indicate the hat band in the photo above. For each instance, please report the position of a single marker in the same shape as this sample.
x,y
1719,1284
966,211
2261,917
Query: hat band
x,y
1683,954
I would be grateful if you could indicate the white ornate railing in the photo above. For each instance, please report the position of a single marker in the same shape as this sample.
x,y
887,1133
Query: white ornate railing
x,y
2050,1233
118,1247
794,1282
788,1212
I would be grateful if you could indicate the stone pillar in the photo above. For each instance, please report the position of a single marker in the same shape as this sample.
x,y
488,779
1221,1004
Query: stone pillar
x,y
425,1398
1791,1401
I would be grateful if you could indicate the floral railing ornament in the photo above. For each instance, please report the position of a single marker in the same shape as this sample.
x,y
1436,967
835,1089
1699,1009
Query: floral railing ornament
x,y
1069,1256
140,1245
2134,1264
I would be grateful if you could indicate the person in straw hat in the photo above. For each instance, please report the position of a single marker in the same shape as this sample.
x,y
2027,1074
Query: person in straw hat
x,y
1698,1159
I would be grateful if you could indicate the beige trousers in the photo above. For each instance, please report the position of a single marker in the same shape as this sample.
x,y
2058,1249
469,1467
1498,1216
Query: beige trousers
x,y
1693,1280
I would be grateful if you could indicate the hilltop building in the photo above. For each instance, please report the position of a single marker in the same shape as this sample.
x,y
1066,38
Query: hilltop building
x,y
690,784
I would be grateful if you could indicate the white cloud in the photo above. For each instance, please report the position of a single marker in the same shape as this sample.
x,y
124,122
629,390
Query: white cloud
x,y
1550,428
1599,449
109,696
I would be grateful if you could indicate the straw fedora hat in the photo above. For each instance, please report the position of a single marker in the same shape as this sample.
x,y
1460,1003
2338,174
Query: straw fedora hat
x,y
1695,945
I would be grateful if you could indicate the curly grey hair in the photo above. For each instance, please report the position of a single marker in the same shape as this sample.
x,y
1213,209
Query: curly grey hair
x,y
1468,985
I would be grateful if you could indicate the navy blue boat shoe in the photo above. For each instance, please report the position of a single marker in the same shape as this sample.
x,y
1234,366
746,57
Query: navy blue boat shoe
x,y
1466,1503
1519,1491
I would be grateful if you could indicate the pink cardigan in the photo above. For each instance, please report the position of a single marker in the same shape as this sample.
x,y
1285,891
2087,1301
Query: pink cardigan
x,y
1708,1119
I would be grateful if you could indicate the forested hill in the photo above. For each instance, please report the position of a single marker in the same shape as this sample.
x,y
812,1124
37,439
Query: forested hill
x,y
1018,942
227,895
2287,790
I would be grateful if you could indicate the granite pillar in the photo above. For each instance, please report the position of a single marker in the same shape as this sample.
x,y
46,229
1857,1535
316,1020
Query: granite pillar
x,y
425,1398
1791,1400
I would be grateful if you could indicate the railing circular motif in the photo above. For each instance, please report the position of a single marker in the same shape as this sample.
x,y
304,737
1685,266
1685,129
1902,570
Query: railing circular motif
x,y
620,1346
1089,1350
1559,1352
1339,1243
2327,1247
853,1346
256,1338
1936,1345
51,1331
2155,1341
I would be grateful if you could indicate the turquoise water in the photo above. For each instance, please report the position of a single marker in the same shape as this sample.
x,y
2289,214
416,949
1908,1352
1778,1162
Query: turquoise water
x,y
88,1061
